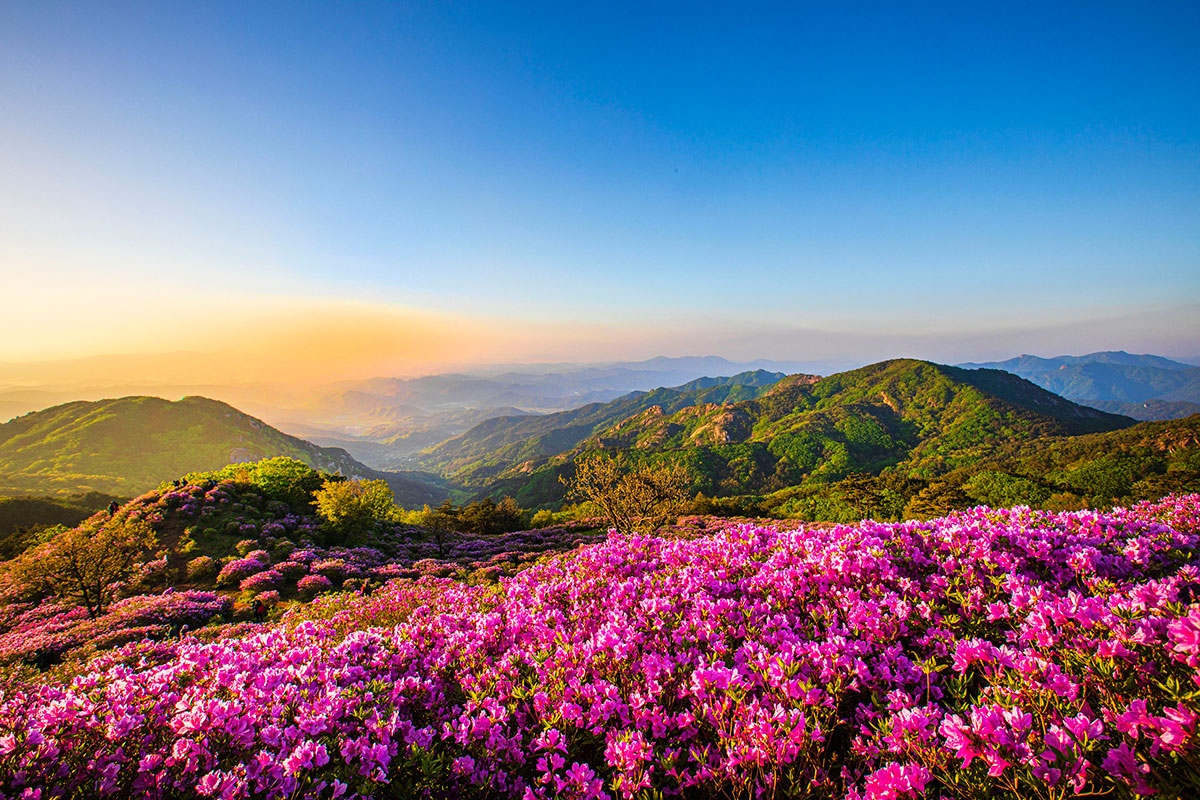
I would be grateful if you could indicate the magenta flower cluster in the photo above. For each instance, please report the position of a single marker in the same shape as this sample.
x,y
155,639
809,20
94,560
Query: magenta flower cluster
x,y
239,569
988,654
311,585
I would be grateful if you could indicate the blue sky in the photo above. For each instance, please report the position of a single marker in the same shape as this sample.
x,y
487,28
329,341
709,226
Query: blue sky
x,y
626,177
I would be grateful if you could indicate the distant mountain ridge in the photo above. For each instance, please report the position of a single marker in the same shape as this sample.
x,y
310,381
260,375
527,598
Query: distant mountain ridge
x,y
129,445
1026,362
755,433
567,387
1142,386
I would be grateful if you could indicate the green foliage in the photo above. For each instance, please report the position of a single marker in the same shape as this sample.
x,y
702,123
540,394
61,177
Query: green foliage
x,y
440,522
1108,476
915,418
202,568
23,513
281,478
803,448
352,508
482,454
937,500
854,498
1121,467
1001,490
1174,481
487,516
572,512
22,518
700,505
484,516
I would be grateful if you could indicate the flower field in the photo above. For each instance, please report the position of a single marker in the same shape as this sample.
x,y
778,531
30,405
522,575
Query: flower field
x,y
1004,653
279,562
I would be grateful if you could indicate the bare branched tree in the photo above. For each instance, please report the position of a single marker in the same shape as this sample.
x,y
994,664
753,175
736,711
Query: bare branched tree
x,y
641,499
84,563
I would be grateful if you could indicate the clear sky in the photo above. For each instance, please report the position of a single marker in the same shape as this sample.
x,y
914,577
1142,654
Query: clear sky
x,y
396,184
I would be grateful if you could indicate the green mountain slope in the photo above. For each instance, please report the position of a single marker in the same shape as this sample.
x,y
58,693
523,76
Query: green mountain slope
x,y
921,418
129,445
495,445
1145,461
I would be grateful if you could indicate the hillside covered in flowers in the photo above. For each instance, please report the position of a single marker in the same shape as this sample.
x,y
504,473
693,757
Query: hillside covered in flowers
x,y
989,653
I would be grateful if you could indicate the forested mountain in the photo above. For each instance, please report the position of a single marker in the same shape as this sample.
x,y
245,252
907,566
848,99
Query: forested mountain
x,y
497,444
388,438
1117,358
919,418
1115,468
1162,456
386,422
553,388
128,445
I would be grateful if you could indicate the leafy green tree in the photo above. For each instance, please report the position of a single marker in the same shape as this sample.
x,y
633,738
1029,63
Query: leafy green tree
x,y
84,563
1110,476
352,508
937,500
440,522
487,516
641,499
862,493
1002,490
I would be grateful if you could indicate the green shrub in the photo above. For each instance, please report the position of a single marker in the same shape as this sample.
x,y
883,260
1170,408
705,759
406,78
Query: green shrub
x,y
284,479
201,568
351,508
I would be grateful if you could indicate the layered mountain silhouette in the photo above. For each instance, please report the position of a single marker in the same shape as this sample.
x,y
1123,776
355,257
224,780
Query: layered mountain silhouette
x,y
753,433
1145,387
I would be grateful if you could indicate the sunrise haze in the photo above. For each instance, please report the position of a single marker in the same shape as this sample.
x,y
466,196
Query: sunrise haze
x,y
396,189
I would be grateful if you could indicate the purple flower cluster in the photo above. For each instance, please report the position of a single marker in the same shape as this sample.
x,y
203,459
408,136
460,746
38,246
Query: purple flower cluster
x,y
988,654
52,629
475,551
223,506
262,581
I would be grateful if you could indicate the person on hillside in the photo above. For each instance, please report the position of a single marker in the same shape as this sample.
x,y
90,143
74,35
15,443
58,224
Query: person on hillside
x,y
260,611
112,508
